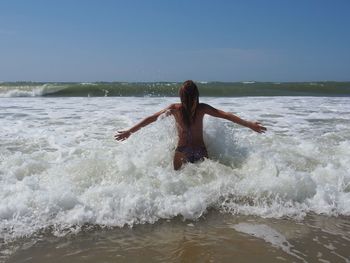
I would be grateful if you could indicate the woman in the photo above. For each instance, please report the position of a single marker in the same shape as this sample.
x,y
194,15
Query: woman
x,y
189,122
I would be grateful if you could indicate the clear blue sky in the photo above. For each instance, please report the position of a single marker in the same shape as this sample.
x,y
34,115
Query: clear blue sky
x,y
174,40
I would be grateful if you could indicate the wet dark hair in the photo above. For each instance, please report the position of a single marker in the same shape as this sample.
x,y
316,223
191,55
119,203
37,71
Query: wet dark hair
x,y
189,96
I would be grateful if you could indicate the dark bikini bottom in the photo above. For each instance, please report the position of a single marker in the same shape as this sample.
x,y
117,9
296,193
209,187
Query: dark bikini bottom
x,y
193,154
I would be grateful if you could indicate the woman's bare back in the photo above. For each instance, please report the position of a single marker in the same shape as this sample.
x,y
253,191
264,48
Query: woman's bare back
x,y
190,146
189,135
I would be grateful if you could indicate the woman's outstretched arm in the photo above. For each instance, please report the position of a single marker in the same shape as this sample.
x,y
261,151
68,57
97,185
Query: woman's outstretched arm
x,y
255,126
123,135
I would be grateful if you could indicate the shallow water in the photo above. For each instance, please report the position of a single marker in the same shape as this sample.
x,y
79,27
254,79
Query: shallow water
x,y
61,171
214,237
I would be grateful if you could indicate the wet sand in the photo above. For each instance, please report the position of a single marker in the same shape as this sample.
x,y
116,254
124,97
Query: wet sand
x,y
214,238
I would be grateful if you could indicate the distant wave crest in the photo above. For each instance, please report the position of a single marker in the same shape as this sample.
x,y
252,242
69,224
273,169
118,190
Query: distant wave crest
x,y
168,89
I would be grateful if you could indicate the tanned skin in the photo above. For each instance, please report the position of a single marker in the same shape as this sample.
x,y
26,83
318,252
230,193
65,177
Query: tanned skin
x,y
196,128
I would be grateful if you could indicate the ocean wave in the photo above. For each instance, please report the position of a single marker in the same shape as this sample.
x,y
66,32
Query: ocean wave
x,y
160,89
7,91
65,171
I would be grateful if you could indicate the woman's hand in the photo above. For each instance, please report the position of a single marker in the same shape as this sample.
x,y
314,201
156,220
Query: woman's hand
x,y
122,135
256,126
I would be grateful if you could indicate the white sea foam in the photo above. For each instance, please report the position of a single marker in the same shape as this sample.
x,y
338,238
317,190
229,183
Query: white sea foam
x,y
61,168
269,235
28,91
88,83
22,92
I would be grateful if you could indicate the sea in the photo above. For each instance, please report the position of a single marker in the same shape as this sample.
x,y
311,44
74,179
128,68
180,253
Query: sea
x,y
70,193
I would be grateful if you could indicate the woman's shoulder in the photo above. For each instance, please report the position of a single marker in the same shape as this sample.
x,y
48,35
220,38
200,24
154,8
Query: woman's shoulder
x,y
203,105
175,106
205,108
